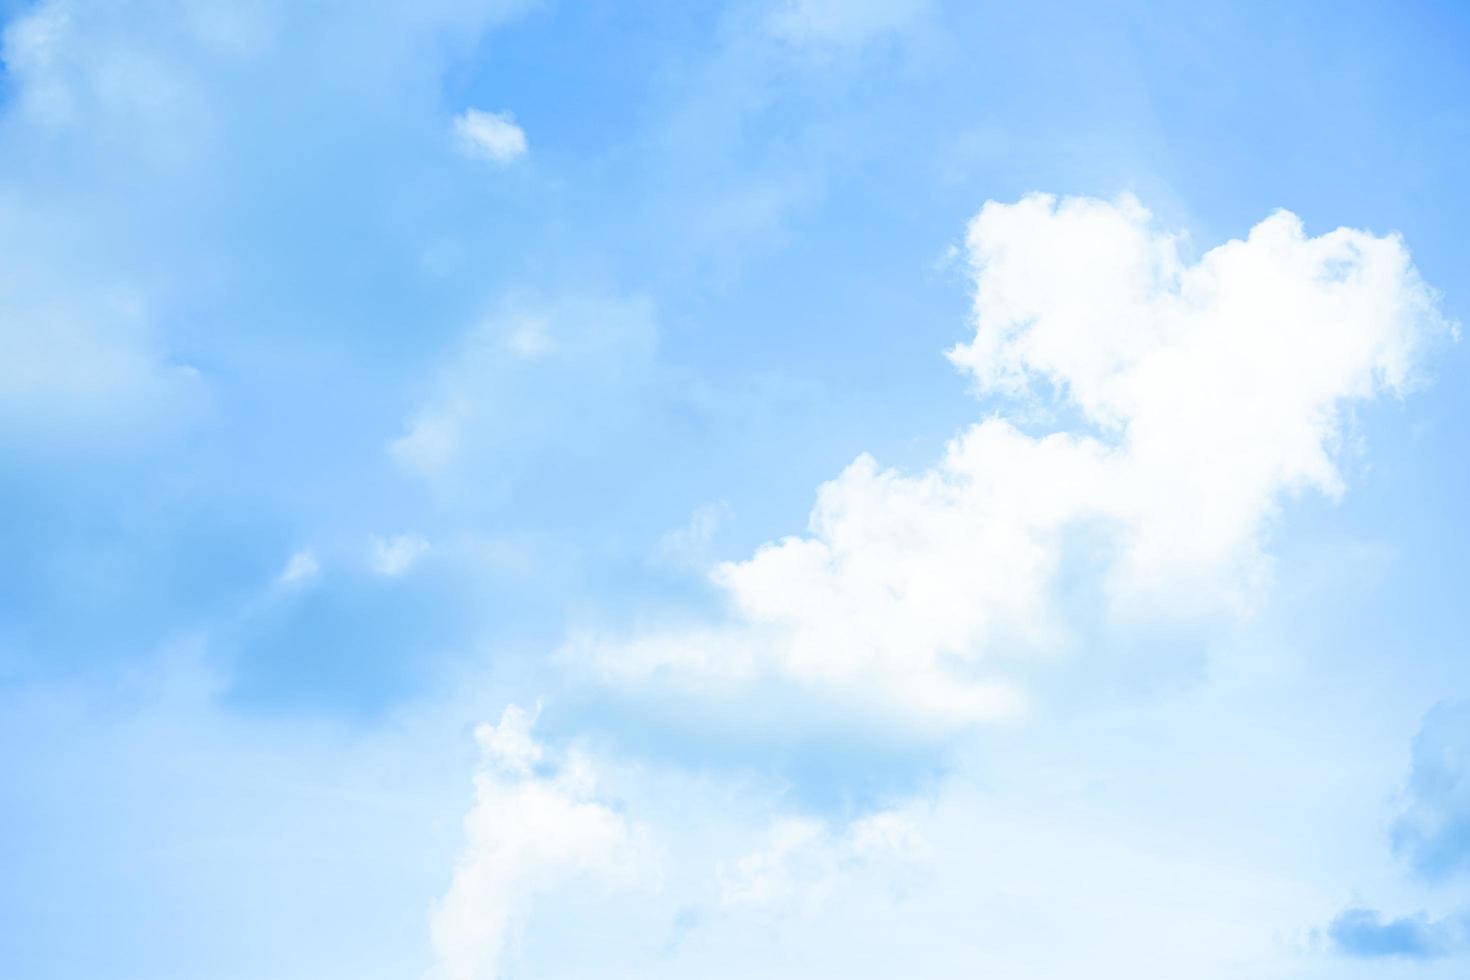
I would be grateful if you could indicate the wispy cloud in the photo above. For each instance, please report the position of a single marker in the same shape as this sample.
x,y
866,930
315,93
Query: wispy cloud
x,y
301,568
534,822
397,555
500,371
688,546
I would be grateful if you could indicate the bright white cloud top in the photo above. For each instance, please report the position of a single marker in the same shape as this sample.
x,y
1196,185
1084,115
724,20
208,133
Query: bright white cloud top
x,y
1203,393
492,136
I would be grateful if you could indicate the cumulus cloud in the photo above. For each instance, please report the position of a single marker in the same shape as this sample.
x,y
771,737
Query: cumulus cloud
x,y
1204,394
534,823
492,136
1218,386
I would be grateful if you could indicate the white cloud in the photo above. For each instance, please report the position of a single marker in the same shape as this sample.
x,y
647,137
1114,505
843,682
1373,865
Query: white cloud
x,y
1218,386
532,825
492,136
843,23
301,567
1208,392
395,556
804,861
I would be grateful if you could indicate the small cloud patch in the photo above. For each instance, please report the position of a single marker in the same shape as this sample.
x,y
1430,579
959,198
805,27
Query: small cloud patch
x,y
300,569
492,136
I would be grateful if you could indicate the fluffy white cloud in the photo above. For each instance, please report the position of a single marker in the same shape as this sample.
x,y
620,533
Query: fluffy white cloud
x,y
1217,386
532,825
1205,392
492,136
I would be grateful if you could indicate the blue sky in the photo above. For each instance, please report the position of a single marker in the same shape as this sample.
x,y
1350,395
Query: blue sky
x,y
789,488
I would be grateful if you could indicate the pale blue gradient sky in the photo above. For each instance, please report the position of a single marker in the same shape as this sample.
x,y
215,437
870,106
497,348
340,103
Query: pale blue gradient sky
x,y
243,258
